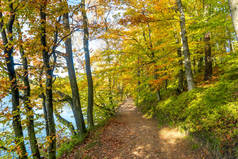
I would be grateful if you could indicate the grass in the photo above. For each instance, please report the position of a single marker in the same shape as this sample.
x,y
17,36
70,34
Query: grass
x,y
68,147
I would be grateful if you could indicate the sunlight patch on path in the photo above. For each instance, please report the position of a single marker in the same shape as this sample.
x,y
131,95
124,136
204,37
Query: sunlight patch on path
x,y
171,136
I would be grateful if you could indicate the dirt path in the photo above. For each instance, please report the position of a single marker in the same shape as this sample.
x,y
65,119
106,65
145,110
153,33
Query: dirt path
x,y
131,136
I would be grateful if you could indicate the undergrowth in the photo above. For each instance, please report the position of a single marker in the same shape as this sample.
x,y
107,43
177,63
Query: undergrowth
x,y
209,112
67,147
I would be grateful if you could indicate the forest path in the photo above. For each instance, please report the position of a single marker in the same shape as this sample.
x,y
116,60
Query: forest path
x,y
131,136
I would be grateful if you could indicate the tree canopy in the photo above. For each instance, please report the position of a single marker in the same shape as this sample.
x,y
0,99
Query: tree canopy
x,y
89,56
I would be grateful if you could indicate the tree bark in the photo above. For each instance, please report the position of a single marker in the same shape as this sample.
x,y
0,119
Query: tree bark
x,y
234,14
194,65
207,47
208,57
42,95
186,52
45,114
180,88
76,106
88,65
230,46
231,49
26,100
200,64
110,95
48,91
138,80
8,51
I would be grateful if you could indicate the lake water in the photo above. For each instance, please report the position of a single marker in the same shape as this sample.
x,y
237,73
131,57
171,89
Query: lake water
x,y
5,129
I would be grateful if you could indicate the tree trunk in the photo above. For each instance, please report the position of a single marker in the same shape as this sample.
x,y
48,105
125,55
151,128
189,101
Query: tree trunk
x,y
200,58
48,91
230,46
42,95
27,102
158,95
230,41
181,71
8,51
194,65
166,84
88,65
208,57
187,60
207,48
200,64
76,106
138,80
45,114
234,14
110,96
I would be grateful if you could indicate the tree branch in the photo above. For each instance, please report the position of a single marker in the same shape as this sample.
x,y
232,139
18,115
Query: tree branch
x,y
66,98
65,122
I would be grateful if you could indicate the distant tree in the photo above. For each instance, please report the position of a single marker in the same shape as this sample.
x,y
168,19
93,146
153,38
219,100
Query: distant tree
x,y
88,65
234,14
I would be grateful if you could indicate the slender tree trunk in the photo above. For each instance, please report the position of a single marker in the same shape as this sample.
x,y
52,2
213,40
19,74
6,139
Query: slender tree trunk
x,y
42,95
166,84
138,72
48,91
88,65
76,107
156,78
181,71
27,102
110,96
200,64
230,41
110,89
231,46
138,80
187,60
194,65
201,59
158,95
207,48
208,57
234,14
45,114
8,51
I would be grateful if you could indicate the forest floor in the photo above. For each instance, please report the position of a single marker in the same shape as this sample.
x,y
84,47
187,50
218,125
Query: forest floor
x,y
129,135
